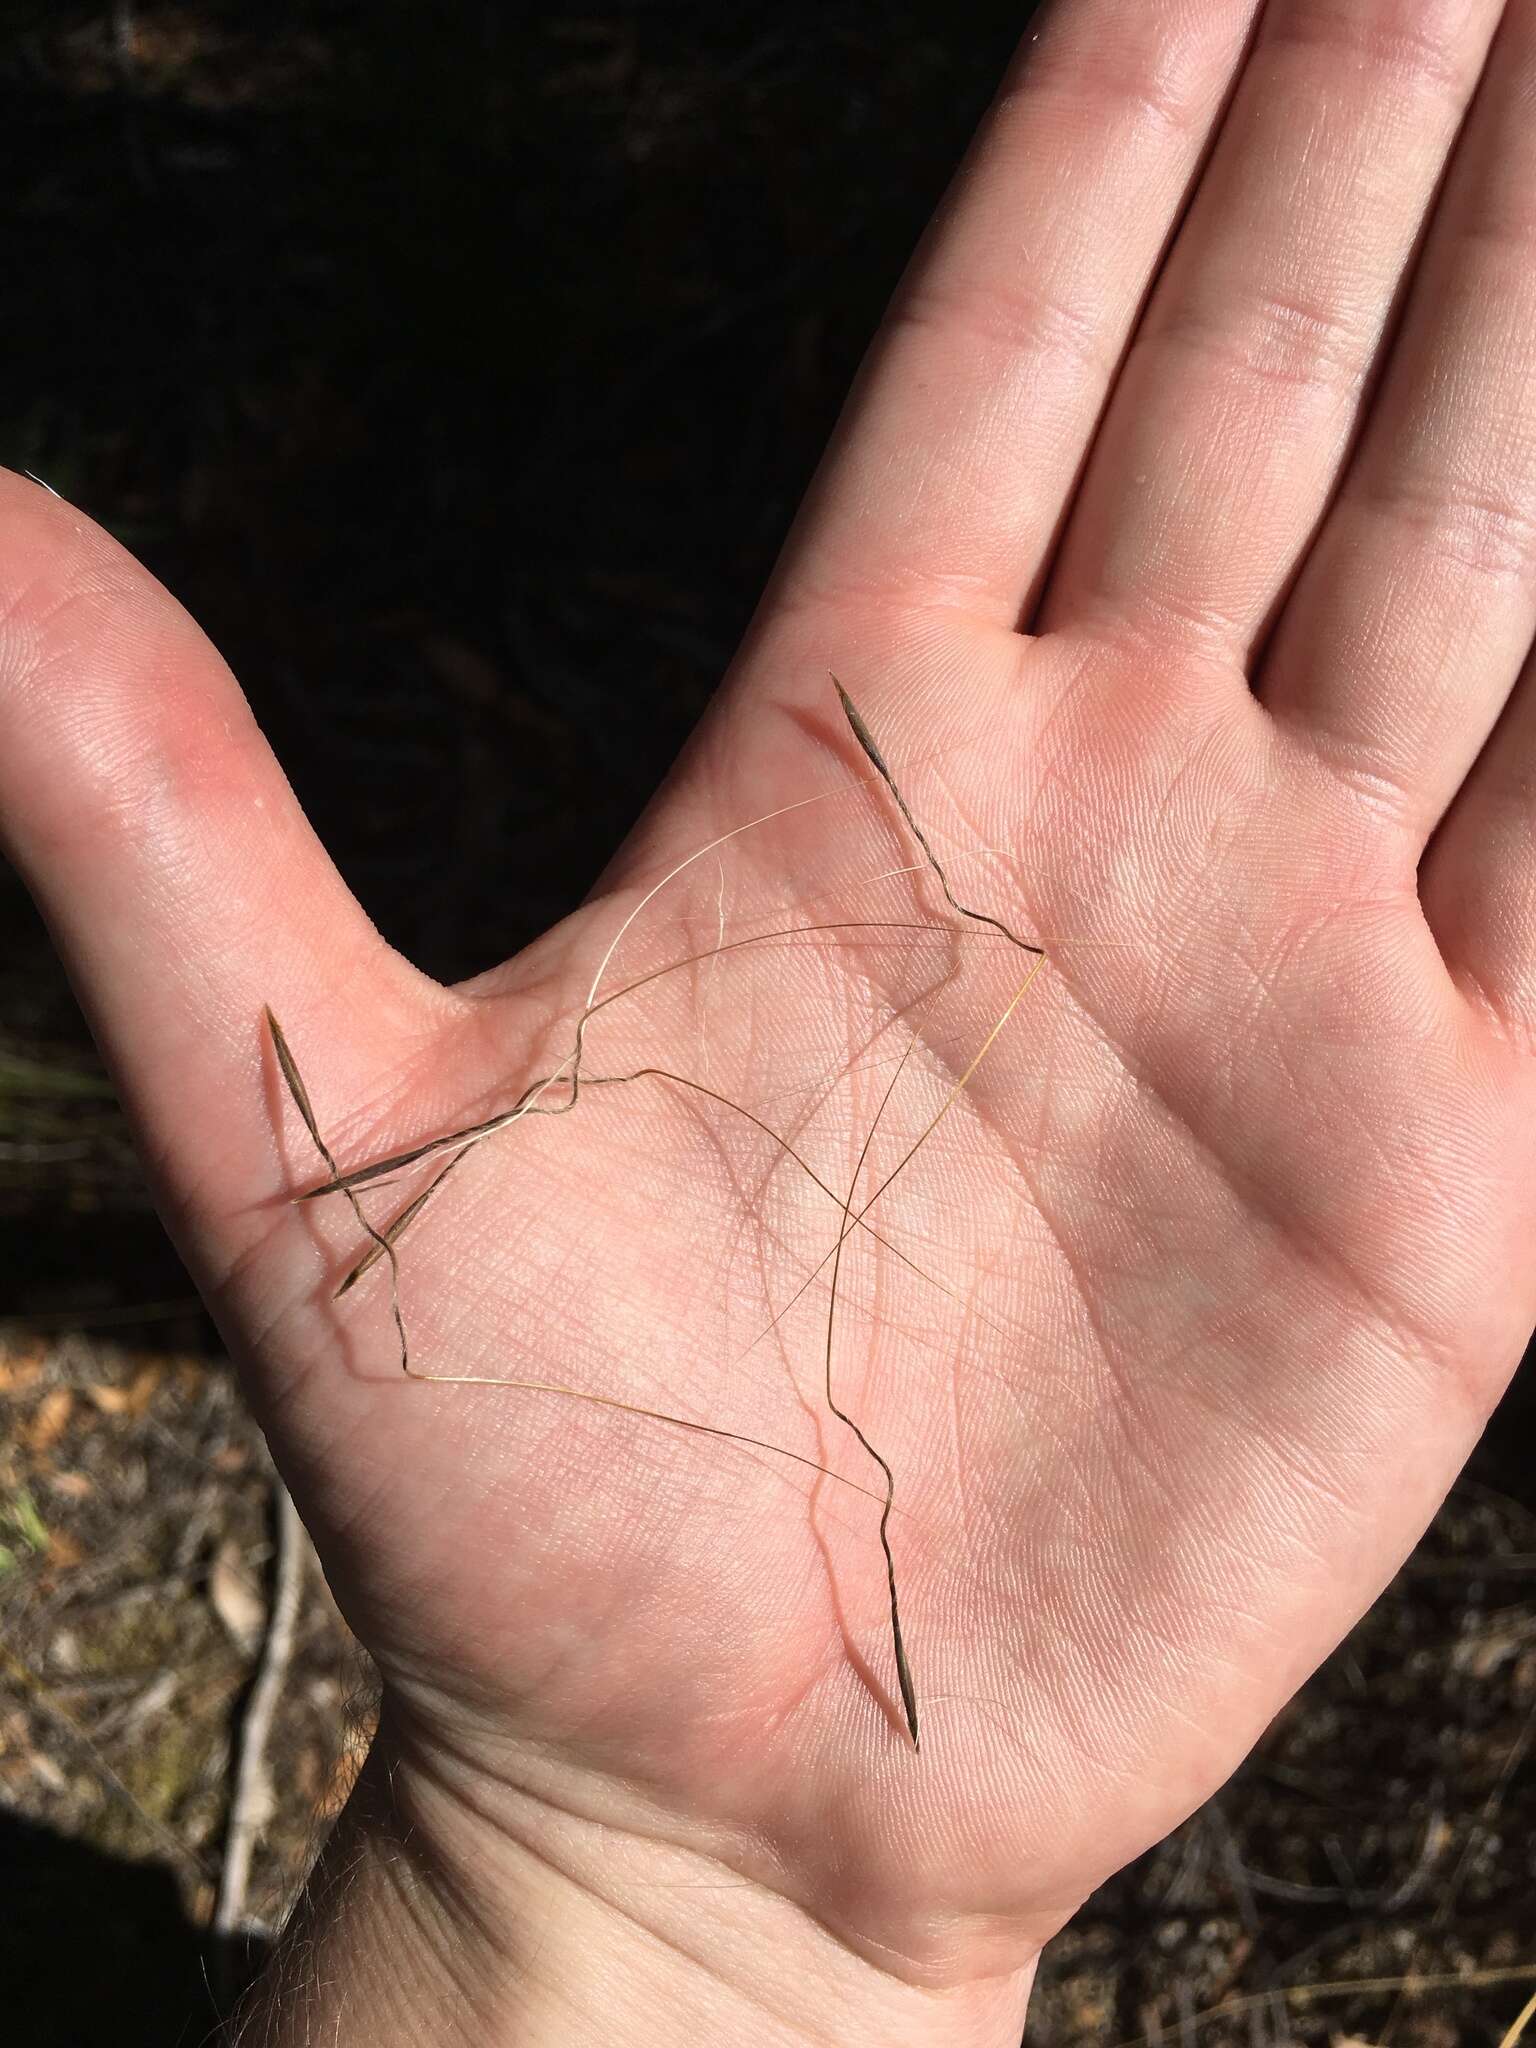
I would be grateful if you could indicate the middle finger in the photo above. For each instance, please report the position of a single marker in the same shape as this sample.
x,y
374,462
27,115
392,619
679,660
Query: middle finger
x,y
1241,392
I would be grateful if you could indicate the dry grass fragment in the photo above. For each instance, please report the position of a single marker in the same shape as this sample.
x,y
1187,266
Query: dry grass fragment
x,y
564,1085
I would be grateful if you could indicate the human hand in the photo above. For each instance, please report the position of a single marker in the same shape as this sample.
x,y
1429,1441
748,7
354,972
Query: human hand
x,y
1232,1225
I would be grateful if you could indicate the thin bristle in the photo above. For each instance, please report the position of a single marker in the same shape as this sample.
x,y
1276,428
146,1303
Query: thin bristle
x,y
948,1103
903,1673
528,1103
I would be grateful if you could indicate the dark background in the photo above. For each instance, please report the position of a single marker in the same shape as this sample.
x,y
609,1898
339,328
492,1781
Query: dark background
x,y
460,369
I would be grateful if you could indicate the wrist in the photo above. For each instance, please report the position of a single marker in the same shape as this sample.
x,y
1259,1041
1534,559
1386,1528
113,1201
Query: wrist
x,y
436,1918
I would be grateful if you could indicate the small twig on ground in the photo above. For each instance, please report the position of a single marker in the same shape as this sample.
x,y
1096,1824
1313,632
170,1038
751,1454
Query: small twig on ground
x,y
1409,1984
251,1801
1476,1835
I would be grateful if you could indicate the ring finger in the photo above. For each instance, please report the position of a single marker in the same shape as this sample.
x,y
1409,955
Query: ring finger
x,y
1416,608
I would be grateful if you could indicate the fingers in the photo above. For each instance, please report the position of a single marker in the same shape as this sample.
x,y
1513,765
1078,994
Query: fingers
x,y
1240,394
180,879
959,449
1478,880
1415,612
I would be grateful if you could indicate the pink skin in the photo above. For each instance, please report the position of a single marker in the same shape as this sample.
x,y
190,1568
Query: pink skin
x,y
1237,1217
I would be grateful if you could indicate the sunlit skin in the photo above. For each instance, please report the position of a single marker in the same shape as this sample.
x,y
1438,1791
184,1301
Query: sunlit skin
x,y
1234,1224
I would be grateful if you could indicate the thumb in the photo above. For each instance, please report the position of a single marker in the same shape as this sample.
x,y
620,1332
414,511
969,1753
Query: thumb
x,y
181,880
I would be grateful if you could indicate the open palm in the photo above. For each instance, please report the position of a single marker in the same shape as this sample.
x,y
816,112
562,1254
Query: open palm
x,y
1179,1322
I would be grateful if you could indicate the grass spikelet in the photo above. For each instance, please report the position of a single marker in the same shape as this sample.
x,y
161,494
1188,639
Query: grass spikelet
x,y
559,1091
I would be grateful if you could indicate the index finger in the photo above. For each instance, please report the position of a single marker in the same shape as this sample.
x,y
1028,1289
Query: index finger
x,y
958,452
